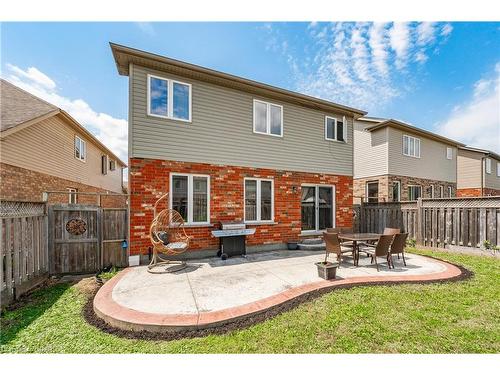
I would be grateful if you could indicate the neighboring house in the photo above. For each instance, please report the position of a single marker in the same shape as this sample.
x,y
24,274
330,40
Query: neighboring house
x,y
42,148
227,148
478,172
394,161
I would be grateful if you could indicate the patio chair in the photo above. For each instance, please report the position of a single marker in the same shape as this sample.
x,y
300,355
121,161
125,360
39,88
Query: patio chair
x,y
333,246
168,237
398,247
339,231
392,230
381,249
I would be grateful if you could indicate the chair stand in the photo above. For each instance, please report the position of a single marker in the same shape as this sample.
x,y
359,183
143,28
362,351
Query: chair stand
x,y
157,261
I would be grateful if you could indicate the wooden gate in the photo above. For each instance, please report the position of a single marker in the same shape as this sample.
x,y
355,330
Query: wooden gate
x,y
84,239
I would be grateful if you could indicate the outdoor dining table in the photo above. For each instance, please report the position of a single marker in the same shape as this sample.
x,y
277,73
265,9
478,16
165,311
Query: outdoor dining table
x,y
356,238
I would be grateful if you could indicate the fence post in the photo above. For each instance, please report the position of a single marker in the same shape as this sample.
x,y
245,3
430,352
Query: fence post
x,y
419,222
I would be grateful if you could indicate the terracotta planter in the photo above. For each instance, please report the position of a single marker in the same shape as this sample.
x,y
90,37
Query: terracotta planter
x,y
327,270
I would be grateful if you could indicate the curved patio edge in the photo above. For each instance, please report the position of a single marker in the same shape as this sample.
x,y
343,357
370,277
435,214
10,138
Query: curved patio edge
x,y
127,319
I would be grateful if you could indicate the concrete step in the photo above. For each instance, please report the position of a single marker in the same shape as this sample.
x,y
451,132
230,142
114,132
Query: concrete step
x,y
314,246
312,241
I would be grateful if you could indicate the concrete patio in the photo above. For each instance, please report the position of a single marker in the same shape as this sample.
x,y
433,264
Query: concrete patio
x,y
211,292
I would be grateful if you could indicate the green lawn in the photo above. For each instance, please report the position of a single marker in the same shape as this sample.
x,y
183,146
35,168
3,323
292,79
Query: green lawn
x,y
461,317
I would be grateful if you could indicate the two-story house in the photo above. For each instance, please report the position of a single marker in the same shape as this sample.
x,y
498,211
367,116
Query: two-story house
x,y
228,148
42,148
395,161
478,172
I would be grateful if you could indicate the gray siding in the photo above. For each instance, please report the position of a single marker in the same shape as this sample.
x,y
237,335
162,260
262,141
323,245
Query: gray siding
x,y
491,180
432,163
469,169
221,132
370,151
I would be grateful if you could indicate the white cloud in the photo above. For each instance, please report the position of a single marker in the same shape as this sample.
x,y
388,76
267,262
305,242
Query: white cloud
x,y
446,29
356,64
147,28
477,122
111,131
399,36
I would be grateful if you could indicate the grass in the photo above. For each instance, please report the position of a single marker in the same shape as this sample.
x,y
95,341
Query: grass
x,y
462,317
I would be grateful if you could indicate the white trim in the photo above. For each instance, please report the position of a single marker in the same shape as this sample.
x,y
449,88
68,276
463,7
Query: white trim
x,y
450,191
268,118
72,192
366,189
487,165
433,192
415,139
190,176
449,153
498,168
83,146
409,186
344,129
316,206
258,201
170,98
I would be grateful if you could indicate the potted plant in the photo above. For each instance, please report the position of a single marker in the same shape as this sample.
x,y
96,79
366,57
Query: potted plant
x,y
327,270
292,245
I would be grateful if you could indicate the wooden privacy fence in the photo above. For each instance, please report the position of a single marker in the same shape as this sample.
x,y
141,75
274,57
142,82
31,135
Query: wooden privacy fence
x,y
466,222
23,248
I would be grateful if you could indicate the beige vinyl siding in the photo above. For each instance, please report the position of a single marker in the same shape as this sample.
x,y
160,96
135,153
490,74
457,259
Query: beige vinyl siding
x,y
469,169
221,132
370,151
432,163
491,180
48,147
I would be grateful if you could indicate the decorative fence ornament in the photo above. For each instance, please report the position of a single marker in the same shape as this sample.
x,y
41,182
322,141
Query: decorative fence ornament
x,y
76,226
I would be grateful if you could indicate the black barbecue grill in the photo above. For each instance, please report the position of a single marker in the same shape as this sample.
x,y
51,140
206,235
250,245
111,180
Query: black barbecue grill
x,y
232,238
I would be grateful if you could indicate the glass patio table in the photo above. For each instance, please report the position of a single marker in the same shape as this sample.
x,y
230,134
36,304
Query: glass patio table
x,y
356,238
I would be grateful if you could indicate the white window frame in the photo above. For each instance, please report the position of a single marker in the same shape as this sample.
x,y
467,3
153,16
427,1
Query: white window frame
x,y
498,168
487,165
344,129
449,153
112,162
441,191
82,143
72,193
106,164
399,190
268,118
334,205
450,191
415,140
378,190
190,177
170,102
409,186
258,201
433,192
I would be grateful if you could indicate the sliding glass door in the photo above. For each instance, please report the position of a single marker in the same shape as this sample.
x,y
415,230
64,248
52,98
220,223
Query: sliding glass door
x,y
317,207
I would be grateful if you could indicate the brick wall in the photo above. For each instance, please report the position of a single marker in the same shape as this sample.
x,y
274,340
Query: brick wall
x,y
476,192
149,179
385,187
27,185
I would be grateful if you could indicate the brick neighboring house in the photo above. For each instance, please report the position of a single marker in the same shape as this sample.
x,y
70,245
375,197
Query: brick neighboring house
x,y
42,148
395,161
227,148
478,172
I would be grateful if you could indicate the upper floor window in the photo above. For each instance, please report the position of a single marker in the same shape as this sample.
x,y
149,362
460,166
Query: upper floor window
x,y
488,165
112,165
259,199
80,149
104,164
168,98
411,146
449,153
267,118
335,130
190,196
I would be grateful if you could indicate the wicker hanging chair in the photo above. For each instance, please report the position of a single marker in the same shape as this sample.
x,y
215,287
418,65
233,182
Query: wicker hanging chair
x,y
168,238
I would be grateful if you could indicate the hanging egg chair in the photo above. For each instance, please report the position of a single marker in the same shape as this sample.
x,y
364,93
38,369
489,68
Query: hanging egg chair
x,y
168,238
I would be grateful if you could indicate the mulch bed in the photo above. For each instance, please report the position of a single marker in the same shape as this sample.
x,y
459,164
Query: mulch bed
x,y
247,321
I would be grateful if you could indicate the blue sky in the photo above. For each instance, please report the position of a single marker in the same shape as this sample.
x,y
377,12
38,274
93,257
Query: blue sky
x,y
441,76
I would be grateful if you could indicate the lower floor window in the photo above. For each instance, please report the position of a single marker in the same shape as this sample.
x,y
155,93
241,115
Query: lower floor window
x,y
190,196
72,195
414,192
372,192
396,191
450,192
259,199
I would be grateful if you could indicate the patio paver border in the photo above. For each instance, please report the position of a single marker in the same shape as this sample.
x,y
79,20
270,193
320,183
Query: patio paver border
x,y
121,318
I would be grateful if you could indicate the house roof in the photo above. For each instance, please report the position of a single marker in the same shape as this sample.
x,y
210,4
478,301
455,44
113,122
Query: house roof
x,y
482,151
124,56
19,106
20,109
407,127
